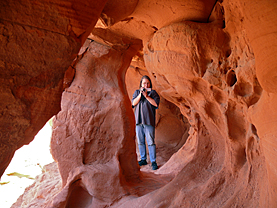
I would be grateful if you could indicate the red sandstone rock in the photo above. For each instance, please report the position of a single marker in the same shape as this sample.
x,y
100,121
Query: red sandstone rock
x,y
39,40
208,70
80,156
47,185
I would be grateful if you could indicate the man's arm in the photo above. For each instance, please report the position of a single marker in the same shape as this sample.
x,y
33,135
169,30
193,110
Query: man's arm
x,y
149,99
136,100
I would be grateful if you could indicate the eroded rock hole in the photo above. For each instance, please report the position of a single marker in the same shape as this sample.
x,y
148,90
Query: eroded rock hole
x,y
78,197
231,78
254,130
228,53
243,89
150,47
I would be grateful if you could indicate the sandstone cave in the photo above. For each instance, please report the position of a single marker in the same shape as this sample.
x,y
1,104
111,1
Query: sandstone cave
x,y
213,64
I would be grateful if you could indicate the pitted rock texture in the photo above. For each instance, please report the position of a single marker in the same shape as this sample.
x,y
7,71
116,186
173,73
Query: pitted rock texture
x,y
110,158
212,62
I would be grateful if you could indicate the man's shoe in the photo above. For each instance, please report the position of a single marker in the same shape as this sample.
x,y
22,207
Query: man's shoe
x,y
154,166
142,162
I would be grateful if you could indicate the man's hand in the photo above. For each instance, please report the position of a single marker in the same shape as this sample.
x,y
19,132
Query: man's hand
x,y
144,92
149,99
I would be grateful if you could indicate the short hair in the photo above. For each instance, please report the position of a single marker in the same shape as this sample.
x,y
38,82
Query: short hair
x,y
145,77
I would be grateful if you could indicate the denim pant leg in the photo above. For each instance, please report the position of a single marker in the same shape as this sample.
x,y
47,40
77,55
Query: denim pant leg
x,y
141,141
150,138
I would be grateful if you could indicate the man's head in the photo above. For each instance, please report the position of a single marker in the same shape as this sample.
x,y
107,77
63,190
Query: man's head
x,y
145,82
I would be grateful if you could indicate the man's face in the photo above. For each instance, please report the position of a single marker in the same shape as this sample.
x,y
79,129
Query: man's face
x,y
145,83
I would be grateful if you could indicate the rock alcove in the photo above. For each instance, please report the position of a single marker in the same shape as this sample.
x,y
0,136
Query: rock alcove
x,y
212,62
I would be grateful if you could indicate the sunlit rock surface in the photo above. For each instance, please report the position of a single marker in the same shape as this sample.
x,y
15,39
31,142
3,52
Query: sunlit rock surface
x,y
213,64
46,186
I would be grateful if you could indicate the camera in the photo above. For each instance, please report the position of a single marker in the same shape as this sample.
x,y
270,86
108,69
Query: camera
x,y
145,89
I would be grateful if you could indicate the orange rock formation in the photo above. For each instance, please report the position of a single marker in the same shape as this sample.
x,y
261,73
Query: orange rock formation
x,y
213,64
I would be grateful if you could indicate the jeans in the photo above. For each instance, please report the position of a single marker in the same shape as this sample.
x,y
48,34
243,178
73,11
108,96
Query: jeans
x,y
148,132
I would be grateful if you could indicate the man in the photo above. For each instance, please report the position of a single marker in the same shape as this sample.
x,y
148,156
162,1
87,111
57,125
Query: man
x,y
146,101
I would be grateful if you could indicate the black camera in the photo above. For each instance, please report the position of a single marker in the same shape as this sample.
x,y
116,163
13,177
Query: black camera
x,y
145,89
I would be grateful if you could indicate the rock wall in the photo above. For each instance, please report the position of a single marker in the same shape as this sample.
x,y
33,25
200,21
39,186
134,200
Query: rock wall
x,y
196,68
214,60
39,41
95,127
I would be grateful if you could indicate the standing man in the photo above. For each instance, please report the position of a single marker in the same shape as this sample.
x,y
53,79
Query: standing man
x,y
146,101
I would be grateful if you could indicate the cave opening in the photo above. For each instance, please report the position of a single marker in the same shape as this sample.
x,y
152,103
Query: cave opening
x,y
171,130
231,78
78,196
28,162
